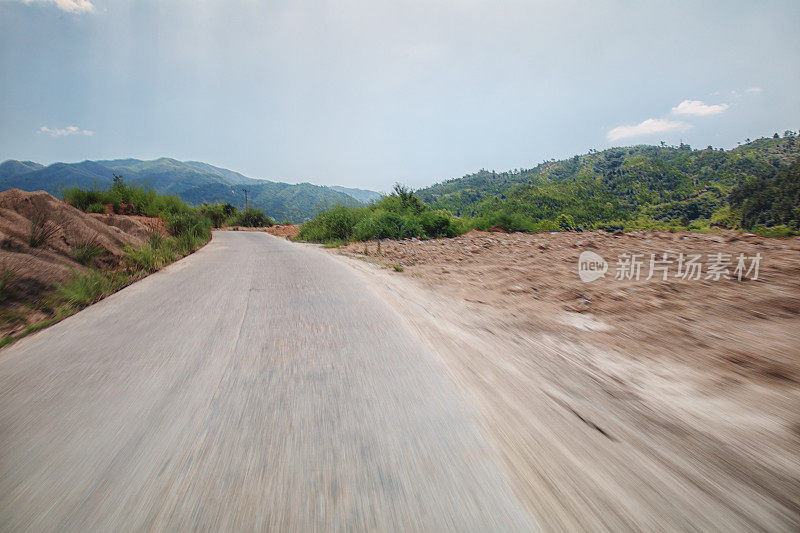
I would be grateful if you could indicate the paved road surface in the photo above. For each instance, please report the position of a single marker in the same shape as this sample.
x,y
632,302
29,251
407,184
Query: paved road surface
x,y
256,384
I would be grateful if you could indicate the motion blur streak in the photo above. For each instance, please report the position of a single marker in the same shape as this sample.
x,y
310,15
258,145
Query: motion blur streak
x,y
252,385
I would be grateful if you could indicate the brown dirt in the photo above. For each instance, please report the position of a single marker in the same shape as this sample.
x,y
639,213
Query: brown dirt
x,y
287,231
35,270
621,402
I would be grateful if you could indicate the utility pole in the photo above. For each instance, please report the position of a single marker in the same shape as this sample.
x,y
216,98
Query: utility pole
x,y
245,198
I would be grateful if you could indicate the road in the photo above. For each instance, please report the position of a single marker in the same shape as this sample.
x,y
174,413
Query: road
x,y
256,384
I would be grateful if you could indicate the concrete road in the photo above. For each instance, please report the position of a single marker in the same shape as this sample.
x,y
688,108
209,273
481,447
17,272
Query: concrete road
x,y
254,385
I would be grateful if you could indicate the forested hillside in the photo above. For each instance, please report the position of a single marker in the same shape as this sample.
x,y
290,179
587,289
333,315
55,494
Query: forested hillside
x,y
191,181
753,185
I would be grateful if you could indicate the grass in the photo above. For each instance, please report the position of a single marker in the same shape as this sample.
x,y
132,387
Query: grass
x,y
6,276
42,229
398,268
86,288
86,252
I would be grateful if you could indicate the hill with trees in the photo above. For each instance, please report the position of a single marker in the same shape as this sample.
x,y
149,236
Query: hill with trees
x,y
193,182
753,186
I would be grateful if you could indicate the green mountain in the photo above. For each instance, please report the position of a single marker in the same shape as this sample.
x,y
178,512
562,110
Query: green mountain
x,y
191,181
362,195
638,186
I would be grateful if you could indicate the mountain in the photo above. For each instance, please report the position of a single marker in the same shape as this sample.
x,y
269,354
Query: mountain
x,y
636,185
362,195
192,181
13,168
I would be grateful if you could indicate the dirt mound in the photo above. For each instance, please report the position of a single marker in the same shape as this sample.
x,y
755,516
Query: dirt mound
x,y
136,225
39,236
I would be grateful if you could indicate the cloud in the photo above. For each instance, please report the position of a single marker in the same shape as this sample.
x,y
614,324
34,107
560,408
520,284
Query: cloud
x,y
698,109
70,6
754,90
648,127
65,132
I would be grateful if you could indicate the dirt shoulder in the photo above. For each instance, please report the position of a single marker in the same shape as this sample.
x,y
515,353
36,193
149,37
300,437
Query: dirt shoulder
x,y
618,404
287,231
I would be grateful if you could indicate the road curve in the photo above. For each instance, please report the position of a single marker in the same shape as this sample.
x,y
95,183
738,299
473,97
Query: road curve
x,y
254,385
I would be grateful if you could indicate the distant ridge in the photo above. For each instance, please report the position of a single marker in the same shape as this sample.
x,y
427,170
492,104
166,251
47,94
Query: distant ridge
x,y
192,181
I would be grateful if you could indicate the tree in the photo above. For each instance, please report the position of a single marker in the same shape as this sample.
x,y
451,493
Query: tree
x,y
408,200
776,136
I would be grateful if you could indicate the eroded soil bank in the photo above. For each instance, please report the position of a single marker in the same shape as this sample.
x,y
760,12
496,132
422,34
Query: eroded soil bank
x,y
45,241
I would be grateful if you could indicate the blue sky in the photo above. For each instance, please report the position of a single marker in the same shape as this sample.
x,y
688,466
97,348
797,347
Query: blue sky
x,y
366,93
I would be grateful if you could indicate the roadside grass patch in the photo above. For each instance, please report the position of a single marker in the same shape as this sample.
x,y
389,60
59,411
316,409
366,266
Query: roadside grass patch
x,y
86,252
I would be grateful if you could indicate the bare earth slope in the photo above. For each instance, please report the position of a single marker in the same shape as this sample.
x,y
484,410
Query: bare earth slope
x,y
61,228
619,404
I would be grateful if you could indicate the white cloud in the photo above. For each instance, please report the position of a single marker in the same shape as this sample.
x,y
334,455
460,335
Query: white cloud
x,y
65,132
755,90
70,6
648,127
698,109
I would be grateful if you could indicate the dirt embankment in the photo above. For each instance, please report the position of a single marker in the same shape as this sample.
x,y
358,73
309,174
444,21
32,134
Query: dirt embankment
x,y
621,403
41,239
287,231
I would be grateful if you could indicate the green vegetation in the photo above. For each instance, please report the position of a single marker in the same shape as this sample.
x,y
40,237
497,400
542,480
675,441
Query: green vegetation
x,y
753,187
189,228
192,182
770,200
400,215
86,252
83,289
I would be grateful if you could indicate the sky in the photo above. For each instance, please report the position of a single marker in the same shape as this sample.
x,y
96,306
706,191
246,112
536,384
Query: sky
x,y
369,93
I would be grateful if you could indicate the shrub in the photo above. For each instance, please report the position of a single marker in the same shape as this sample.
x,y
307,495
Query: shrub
x,y
439,224
252,218
82,199
565,222
387,225
96,208
215,213
334,224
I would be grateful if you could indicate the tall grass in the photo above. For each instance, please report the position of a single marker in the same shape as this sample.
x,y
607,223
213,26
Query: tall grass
x,y
86,252
42,228
83,289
